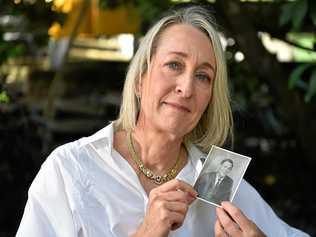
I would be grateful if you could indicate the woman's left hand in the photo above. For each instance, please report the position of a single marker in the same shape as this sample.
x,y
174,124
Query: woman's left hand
x,y
232,222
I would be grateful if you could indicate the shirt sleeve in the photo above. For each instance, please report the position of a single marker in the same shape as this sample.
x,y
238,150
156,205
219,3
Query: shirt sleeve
x,y
47,212
257,210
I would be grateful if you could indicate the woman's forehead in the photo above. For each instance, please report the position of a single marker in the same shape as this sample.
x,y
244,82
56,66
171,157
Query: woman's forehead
x,y
186,41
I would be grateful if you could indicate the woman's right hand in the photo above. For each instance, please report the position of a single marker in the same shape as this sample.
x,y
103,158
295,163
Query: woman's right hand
x,y
167,208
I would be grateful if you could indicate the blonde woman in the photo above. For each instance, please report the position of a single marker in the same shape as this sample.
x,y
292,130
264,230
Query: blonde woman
x,y
134,177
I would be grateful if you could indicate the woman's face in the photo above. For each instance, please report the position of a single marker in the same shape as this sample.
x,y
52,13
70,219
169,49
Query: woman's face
x,y
177,89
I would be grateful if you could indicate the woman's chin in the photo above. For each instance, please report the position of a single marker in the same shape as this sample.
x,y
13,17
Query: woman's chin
x,y
174,128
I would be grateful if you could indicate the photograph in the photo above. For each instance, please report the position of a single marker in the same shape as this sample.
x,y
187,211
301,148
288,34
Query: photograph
x,y
220,176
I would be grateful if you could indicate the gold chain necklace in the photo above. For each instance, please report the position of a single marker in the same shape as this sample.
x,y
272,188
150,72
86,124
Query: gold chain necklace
x,y
157,179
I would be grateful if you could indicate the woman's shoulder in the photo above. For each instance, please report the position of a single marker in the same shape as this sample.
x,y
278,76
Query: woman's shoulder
x,y
251,202
71,151
70,159
246,192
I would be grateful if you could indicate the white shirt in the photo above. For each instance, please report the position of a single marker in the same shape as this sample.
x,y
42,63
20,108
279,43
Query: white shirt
x,y
218,179
85,188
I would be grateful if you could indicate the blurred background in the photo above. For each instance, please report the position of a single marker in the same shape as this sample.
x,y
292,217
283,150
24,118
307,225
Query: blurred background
x,y
63,63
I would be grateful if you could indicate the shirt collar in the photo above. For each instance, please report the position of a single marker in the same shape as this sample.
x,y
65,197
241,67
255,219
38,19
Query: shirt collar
x,y
101,139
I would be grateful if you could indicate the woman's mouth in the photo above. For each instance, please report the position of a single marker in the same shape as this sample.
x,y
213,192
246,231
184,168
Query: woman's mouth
x,y
178,106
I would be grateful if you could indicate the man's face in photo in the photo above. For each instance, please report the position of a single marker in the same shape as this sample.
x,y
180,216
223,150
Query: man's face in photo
x,y
225,168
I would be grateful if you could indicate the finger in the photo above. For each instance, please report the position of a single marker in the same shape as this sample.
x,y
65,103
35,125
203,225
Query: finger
x,y
176,220
237,215
176,184
179,207
156,195
177,196
218,230
229,226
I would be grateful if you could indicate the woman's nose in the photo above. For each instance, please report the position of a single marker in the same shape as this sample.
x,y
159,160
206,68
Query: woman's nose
x,y
184,86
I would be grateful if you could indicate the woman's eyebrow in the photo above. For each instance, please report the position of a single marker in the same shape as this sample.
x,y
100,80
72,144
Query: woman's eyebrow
x,y
182,54
185,55
206,64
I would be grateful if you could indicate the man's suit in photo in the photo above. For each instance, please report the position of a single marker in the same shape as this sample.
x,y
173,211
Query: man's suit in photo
x,y
205,186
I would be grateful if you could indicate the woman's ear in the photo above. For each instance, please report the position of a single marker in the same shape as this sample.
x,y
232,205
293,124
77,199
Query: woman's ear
x,y
138,89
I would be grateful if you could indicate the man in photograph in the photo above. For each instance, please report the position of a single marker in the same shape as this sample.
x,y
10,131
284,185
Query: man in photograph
x,y
216,186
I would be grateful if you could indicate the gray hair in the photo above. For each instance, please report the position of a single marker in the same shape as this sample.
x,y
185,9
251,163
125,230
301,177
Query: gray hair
x,y
216,123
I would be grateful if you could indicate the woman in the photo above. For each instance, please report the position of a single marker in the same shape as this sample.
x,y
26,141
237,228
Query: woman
x,y
134,177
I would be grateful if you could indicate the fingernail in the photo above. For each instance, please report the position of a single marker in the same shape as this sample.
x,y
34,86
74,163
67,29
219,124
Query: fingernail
x,y
195,193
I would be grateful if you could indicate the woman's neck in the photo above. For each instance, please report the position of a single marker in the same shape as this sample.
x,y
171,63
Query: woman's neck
x,y
158,150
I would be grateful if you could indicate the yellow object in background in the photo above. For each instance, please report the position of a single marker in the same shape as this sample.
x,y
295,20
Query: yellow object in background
x,y
64,6
96,22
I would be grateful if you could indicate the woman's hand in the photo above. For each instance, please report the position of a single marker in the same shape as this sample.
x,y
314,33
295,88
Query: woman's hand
x,y
167,208
232,222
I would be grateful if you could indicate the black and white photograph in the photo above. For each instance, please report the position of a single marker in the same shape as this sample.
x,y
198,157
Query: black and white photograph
x,y
220,176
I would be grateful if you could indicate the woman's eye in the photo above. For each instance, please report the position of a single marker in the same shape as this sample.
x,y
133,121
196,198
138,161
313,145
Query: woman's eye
x,y
174,65
203,77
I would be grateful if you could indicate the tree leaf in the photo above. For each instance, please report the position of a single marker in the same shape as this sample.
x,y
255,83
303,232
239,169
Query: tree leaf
x,y
312,11
299,12
312,87
4,98
296,75
286,13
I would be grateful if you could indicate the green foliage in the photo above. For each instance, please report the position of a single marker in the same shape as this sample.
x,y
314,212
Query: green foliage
x,y
312,12
300,10
31,20
298,79
149,10
296,75
286,14
312,87
295,13
4,98
10,50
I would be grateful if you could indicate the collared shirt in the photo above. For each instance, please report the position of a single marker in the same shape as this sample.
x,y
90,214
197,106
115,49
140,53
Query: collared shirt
x,y
87,189
218,179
